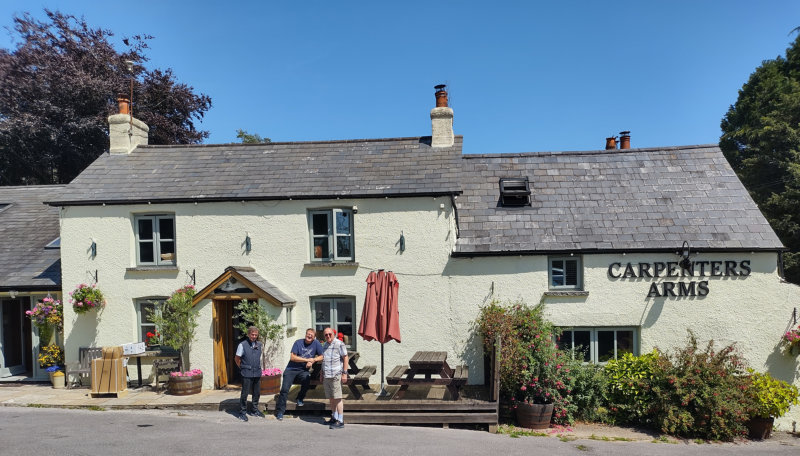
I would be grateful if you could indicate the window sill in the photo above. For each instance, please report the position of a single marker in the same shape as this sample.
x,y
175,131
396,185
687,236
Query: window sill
x,y
331,264
566,293
170,267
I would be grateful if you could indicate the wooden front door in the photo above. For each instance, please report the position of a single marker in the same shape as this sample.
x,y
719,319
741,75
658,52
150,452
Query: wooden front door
x,y
226,337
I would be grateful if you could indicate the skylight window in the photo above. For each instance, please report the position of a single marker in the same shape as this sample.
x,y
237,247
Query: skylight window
x,y
515,192
4,206
54,244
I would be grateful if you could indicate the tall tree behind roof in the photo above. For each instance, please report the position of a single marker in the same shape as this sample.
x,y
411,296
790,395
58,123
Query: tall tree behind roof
x,y
761,140
58,87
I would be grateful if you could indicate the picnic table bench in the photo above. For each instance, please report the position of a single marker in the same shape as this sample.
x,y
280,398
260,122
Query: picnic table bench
x,y
427,364
356,376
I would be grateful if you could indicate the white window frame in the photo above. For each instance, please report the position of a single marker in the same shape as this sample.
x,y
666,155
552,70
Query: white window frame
x,y
578,275
157,240
332,255
593,340
335,302
140,323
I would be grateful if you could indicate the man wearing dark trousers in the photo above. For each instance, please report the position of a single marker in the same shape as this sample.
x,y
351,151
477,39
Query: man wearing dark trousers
x,y
248,358
305,352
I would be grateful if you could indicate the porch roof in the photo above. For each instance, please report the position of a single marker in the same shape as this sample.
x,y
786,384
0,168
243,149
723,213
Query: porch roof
x,y
252,280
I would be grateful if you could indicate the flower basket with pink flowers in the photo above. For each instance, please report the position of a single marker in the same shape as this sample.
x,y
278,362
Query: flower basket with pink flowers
x,y
86,297
791,341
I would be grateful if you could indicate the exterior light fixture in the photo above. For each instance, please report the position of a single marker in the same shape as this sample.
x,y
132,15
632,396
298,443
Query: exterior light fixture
x,y
248,245
684,253
93,248
402,242
13,293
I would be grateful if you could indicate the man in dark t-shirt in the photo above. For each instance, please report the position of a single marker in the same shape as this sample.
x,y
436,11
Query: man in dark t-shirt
x,y
305,352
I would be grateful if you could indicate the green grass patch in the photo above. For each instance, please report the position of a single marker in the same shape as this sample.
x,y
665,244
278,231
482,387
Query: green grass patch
x,y
515,432
37,405
582,447
96,408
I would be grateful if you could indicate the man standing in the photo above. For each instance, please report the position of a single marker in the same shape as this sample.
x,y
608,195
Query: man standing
x,y
305,352
334,372
248,358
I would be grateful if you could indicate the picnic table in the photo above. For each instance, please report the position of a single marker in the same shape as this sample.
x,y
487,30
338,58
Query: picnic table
x,y
160,353
421,369
356,376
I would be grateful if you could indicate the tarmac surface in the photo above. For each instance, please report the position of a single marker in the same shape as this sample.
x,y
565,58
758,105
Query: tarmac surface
x,y
43,395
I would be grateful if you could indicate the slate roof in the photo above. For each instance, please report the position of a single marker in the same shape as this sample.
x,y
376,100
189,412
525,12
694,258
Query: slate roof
x,y
635,199
299,170
26,227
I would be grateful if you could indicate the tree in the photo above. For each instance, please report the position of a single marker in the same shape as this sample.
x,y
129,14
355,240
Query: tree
x,y
761,140
176,320
248,138
58,87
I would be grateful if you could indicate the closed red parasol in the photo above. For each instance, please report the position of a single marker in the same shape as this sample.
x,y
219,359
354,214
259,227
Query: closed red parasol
x,y
380,318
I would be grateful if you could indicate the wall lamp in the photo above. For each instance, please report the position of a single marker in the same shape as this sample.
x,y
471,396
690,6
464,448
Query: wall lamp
x,y
248,244
13,293
402,242
685,252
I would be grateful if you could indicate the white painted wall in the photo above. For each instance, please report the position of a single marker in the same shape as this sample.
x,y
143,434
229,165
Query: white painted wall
x,y
439,296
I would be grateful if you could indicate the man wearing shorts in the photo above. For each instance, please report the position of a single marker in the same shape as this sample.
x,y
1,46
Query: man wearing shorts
x,y
334,372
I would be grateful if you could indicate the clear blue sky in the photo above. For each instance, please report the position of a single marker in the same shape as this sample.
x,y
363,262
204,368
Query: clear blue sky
x,y
523,76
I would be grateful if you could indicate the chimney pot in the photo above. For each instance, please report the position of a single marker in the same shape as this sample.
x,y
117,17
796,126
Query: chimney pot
x,y
625,139
441,96
611,143
124,104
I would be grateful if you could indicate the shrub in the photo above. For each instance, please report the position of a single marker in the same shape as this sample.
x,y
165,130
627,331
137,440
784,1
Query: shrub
x,y
629,383
589,392
701,393
532,368
772,397
176,320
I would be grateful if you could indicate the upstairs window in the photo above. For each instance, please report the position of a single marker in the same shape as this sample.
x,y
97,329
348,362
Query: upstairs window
x,y
331,235
155,239
565,273
515,191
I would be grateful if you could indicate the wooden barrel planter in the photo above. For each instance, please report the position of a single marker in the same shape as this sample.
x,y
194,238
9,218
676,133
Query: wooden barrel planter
x,y
270,384
760,428
534,416
183,386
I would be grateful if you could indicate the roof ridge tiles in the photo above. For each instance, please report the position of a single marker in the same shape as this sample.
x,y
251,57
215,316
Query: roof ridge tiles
x,y
587,152
285,143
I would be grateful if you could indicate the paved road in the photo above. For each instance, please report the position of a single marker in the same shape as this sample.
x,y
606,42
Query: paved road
x,y
47,431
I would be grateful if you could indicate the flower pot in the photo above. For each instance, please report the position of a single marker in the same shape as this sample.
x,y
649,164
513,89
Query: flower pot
x,y
183,386
534,416
760,428
58,381
270,384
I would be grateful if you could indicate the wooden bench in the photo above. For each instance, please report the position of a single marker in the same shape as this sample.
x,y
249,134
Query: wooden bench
x,y
395,376
82,367
356,376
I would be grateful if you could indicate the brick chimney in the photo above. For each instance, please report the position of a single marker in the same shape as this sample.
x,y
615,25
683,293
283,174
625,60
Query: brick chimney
x,y
124,131
441,120
625,140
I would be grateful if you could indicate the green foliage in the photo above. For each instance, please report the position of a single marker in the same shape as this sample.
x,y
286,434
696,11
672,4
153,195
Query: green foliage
x,y
701,393
773,397
248,138
589,392
761,140
532,368
629,380
251,313
176,320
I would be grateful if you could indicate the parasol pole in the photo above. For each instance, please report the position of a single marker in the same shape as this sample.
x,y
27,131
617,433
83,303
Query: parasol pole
x,y
382,392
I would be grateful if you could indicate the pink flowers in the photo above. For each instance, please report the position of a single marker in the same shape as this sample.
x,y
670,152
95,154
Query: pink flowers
x,y
271,371
86,297
191,373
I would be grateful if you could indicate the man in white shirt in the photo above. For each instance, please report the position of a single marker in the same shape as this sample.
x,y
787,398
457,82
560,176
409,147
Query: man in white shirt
x,y
334,373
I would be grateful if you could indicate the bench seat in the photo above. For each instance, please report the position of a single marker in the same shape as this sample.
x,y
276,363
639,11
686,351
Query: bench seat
x,y
396,374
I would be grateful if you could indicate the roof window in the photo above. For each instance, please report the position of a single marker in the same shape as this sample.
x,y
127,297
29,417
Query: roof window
x,y
515,192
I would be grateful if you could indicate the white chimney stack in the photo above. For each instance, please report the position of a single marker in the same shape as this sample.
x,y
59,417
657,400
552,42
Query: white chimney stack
x,y
442,120
124,131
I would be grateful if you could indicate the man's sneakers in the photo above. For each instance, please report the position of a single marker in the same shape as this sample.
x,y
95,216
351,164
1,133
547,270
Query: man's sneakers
x,y
257,413
279,416
336,425
300,402
329,421
242,417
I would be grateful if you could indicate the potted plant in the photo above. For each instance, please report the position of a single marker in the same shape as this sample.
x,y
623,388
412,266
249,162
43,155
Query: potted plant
x,y
51,358
251,313
772,398
86,297
185,383
176,321
791,341
57,377
153,339
534,373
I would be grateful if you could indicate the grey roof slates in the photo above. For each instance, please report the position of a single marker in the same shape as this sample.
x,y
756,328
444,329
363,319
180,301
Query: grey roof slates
x,y
26,227
632,199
